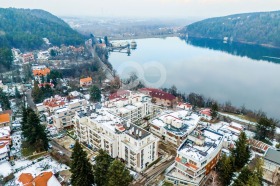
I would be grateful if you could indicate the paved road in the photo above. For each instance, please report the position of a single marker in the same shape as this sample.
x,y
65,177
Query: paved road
x,y
151,173
58,147
29,99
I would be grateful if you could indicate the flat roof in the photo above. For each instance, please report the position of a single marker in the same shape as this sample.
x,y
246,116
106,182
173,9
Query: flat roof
x,y
197,152
189,122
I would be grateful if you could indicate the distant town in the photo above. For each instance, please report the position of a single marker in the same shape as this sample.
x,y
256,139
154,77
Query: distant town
x,y
66,106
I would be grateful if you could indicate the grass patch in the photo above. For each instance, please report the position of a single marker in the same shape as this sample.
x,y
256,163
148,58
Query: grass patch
x,y
37,156
26,149
244,117
167,184
155,162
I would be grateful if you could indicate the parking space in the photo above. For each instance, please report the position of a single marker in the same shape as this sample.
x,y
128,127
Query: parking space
x,y
66,142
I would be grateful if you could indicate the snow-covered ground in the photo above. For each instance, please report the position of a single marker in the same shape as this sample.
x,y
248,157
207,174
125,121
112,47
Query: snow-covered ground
x,y
16,147
237,118
34,167
5,168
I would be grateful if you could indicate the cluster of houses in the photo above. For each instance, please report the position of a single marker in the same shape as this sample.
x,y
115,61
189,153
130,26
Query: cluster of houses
x,y
130,124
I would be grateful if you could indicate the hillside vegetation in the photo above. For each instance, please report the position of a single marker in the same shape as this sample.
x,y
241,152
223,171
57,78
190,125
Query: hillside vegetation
x,y
25,28
261,28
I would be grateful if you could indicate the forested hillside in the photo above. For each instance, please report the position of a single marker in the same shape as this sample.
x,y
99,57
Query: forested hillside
x,y
25,28
257,28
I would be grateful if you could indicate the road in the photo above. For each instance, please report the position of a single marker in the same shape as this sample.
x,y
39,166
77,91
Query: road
x,y
58,147
29,99
152,173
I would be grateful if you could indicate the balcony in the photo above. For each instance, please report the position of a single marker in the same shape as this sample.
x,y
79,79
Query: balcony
x,y
133,153
132,158
132,163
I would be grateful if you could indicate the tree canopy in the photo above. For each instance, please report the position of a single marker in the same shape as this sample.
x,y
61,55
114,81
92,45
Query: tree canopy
x,y
118,174
82,173
258,28
95,93
25,29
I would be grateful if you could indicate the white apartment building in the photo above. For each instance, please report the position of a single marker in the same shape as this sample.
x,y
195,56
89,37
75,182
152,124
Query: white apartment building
x,y
120,138
62,117
174,127
196,157
132,106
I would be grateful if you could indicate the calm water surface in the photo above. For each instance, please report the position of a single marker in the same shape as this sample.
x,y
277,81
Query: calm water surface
x,y
239,73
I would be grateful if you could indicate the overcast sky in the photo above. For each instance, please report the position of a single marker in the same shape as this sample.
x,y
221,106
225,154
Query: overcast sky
x,y
146,8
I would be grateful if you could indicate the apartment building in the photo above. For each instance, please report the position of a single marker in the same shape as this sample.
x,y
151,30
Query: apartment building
x,y
271,166
174,127
120,138
196,157
160,97
62,117
131,106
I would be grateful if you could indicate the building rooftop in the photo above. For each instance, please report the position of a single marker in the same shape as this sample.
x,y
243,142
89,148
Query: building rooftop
x,y
158,93
86,80
272,155
200,143
4,118
41,72
179,123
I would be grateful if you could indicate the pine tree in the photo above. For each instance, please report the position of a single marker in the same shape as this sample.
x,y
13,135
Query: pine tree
x,y
241,152
102,164
82,173
214,110
95,94
37,93
4,100
33,131
248,178
118,174
225,169
265,128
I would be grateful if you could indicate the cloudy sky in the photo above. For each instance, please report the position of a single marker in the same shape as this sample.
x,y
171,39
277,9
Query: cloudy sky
x,y
146,8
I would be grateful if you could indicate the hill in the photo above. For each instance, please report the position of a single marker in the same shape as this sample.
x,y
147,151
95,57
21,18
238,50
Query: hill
x,y
25,28
261,28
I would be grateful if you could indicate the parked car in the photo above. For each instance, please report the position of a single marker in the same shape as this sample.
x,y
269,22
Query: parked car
x,y
50,145
61,153
71,146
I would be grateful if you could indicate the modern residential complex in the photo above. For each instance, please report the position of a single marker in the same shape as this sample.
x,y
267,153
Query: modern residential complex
x,y
174,127
120,138
196,157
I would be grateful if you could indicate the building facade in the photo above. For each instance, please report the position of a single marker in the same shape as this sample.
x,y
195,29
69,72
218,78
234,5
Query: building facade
x,y
196,157
119,138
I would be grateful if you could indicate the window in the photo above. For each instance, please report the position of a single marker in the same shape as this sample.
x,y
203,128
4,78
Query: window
x,y
203,162
192,162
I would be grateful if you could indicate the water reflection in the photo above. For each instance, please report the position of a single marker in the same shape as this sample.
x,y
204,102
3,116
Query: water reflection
x,y
256,52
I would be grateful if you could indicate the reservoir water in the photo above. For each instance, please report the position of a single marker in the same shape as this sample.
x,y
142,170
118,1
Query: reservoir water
x,y
243,74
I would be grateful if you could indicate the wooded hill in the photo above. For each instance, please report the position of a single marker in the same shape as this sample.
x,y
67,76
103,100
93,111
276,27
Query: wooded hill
x,y
261,28
25,29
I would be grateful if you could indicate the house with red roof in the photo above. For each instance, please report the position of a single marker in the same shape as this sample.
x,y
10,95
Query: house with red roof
x,y
85,81
43,179
160,97
5,119
206,113
184,106
4,151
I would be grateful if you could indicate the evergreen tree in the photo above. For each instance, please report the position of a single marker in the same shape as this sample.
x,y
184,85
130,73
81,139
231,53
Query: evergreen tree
x,y
248,178
106,41
4,100
118,174
265,128
24,124
95,94
35,132
225,169
37,93
214,110
17,94
82,173
102,164
241,152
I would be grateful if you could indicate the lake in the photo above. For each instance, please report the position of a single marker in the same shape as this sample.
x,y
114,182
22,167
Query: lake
x,y
243,74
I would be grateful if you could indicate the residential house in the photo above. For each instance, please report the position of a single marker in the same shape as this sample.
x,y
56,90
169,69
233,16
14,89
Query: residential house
x,y
160,97
5,120
43,179
4,151
184,106
84,82
28,57
196,157
40,71
206,114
